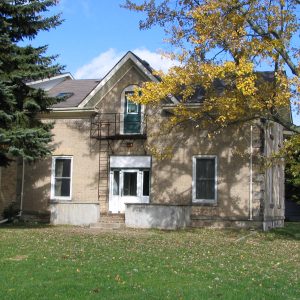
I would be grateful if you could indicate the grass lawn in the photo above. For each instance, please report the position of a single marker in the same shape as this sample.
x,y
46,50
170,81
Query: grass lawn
x,y
78,263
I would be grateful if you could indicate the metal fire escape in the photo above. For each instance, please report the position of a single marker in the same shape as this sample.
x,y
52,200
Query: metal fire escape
x,y
106,128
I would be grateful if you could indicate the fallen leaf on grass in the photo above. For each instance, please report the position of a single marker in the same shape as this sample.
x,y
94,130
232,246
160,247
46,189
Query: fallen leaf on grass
x,y
96,290
18,257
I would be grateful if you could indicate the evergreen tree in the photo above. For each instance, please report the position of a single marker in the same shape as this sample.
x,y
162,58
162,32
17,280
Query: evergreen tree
x,y
22,134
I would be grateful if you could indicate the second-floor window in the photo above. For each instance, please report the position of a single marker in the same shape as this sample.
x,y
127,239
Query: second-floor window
x,y
131,107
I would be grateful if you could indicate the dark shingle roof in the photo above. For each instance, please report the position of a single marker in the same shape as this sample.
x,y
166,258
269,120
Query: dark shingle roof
x,y
78,88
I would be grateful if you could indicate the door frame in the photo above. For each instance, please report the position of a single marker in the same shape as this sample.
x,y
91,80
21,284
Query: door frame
x,y
117,202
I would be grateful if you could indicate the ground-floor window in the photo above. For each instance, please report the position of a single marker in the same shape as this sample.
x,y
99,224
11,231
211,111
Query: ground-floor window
x,y
204,179
61,177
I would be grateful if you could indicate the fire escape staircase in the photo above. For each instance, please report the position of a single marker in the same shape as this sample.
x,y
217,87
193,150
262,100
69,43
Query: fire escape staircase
x,y
105,128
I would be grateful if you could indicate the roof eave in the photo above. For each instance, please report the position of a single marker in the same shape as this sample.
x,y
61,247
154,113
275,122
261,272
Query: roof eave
x,y
51,78
68,112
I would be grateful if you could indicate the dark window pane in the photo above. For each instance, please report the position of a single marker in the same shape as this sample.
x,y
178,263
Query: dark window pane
x,y
146,183
116,182
205,178
205,189
205,168
130,184
62,187
62,167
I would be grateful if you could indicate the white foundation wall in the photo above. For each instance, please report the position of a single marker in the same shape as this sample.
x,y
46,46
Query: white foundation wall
x,y
157,216
74,213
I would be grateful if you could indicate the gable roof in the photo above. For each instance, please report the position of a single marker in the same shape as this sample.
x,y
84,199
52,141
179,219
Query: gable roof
x,y
78,89
129,55
82,91
142,65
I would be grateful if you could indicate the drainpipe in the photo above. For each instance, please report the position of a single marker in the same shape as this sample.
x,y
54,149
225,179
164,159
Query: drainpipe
x,y
22,187
251,175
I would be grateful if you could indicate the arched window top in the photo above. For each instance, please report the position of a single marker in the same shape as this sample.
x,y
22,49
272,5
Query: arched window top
x,y
129,88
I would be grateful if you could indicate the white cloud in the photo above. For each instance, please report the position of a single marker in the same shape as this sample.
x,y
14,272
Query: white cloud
x,y
102,64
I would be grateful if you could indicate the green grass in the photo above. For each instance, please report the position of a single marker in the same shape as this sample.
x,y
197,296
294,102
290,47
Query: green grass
x,y
75,263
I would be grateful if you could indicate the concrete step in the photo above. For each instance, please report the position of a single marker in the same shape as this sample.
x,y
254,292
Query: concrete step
x,y
112,218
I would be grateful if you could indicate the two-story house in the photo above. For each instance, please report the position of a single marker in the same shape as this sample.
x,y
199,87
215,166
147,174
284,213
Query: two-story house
x,y
101,164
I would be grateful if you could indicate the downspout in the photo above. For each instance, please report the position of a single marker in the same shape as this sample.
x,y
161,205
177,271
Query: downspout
x,y
251,175
22,187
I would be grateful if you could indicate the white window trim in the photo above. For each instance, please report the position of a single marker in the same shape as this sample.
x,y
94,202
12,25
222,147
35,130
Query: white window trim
x,y
52,196
129,88
211,201
127,106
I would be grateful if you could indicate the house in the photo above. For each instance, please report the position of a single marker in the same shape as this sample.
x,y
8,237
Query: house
x,y
102,165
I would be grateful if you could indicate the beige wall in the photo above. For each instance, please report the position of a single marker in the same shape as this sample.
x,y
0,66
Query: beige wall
x,y
171,180
8,186
71,138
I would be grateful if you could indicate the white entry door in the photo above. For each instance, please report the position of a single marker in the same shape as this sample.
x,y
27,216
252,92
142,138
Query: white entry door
x,y
128,186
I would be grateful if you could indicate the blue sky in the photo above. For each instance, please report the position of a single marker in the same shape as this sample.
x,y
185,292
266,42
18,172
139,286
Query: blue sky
x,y
97,33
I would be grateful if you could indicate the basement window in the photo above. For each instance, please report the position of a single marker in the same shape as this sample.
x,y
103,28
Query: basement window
x,y
61,177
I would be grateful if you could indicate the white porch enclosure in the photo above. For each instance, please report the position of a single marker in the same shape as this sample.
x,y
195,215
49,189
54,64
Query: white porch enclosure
x,y
129,181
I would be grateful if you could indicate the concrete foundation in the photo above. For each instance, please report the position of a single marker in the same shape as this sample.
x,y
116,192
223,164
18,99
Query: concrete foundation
x,y
270,224
157,216
74,213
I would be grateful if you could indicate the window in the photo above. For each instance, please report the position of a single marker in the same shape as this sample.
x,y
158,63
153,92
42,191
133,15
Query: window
x,y
64,95
116,183
132,108
146,182
205,179
61,177
130,183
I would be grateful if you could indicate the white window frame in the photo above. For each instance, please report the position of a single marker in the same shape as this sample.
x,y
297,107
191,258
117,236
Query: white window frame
x,y
211,201
127,106
130,88
53,197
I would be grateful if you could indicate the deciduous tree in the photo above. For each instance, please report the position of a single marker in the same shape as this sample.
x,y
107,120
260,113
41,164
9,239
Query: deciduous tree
x,y
230,41
222,46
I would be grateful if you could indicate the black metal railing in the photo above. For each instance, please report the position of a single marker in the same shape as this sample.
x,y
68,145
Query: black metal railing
x,y
118,126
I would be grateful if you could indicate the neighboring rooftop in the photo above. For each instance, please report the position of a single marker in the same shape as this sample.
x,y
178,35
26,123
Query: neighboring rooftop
x,y
76,89
48,83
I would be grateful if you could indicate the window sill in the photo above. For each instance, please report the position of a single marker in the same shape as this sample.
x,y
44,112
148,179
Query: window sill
x,y
58,200
204,203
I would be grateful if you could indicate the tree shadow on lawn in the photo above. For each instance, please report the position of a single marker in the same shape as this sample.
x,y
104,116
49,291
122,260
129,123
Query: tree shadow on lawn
x,y
24,225
290,231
